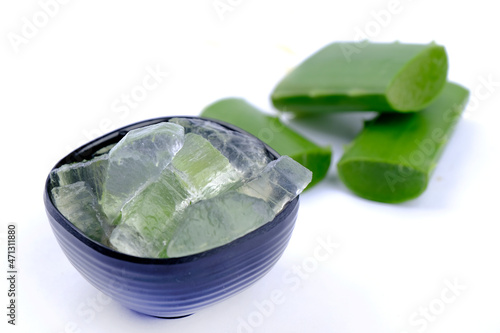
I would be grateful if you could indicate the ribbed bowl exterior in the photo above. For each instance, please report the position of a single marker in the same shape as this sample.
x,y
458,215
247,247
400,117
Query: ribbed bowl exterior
x,y
172,287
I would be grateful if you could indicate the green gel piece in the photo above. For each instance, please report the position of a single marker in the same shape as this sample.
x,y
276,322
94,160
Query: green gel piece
x,y
218,221
92,172
280,182
78,204
146,224
393,157
202,169
273,132
246,153
140,155
364,76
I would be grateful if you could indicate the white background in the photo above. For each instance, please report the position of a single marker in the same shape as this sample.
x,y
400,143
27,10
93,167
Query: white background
x,y
61,84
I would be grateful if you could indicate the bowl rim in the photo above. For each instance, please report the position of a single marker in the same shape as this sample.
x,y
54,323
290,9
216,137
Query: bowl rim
x,y
110,252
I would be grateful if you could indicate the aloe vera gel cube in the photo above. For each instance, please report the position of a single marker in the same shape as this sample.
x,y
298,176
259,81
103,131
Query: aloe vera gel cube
x,y
139,157
281,181
91,172
78,204
247,154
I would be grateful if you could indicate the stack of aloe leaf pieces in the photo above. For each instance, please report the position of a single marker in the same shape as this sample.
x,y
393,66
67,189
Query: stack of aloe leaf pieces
x,y
394,156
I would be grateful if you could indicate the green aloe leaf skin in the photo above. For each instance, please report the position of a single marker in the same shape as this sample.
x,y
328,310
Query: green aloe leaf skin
x,y
273,132
393,157
364,76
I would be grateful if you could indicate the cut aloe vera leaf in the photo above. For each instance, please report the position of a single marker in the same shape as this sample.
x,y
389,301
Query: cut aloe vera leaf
x,y
273,132
393,157
364,76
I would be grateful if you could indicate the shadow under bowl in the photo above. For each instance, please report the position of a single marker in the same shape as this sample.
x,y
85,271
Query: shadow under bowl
x,y
170,287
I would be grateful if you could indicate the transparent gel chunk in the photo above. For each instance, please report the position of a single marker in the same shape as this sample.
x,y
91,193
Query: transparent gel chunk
x,y
138,158
217,221
247,154
91,172
280,182
204,171
146,223
127,239
198,171
78,204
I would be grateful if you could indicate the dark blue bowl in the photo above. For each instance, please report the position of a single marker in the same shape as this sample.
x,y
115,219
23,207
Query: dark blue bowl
x,y
172,287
